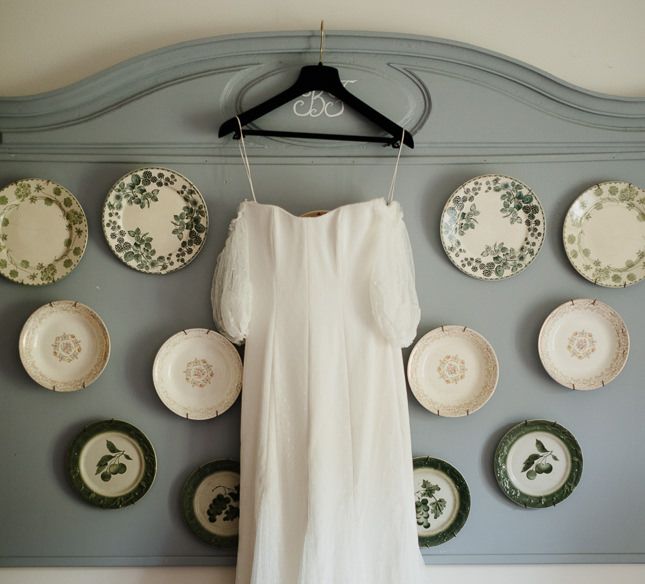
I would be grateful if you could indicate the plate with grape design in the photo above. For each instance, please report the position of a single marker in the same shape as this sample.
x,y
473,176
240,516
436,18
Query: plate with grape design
x,y
197,374
155,220
442,500
584,344
492,227
538,463
64,345
43,232
210,501
453,371
111,464
604,234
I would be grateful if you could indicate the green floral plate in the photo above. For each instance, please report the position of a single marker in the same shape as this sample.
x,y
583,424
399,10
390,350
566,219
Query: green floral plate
x,y
492,227
604,234
43,232
442,500
111,464
155,220
538,463
210,500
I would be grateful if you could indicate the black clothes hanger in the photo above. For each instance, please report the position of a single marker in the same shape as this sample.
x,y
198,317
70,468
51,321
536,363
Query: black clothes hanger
x,y
318,78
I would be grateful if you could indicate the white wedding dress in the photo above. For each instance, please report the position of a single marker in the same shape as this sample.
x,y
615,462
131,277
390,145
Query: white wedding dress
x,y
325,305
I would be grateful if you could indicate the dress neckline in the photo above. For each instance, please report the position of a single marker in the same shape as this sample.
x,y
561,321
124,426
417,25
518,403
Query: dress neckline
x,y
333,211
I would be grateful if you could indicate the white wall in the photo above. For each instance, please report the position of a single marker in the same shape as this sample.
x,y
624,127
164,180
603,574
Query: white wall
x,y
596,44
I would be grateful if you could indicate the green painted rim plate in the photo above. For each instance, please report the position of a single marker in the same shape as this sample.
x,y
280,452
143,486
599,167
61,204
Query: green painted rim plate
x,y
538,463
603,234
43,232
487,204
111,464
155,220
210,501
442,500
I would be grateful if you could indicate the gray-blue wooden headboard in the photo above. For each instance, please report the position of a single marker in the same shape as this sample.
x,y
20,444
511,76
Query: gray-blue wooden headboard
x,y
472,112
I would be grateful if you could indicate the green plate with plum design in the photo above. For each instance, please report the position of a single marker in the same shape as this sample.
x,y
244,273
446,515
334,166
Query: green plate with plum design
x,y
43,232
492,227
111,464
155,220
442,500
538,463
210,500
604,234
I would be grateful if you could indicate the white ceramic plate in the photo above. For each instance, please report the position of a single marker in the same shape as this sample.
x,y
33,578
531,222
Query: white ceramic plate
x,y
64,345
453,371
492,227
604,234
155,220
43,232
584,344
197,374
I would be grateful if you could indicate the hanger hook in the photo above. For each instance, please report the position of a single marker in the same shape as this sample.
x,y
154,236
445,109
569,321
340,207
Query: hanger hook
x,y
322,41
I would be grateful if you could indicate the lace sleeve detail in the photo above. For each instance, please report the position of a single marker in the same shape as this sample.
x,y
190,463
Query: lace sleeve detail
x,y
231,289
393,294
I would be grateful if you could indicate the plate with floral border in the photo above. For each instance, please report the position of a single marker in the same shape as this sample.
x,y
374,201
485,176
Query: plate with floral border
x,y
197,374
492,227
111,464
441,499
64,345
584,344
604,234
43,232
155,220
210,501
538,463
453,371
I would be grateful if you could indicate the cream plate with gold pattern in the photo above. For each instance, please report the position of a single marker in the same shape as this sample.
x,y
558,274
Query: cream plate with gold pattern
x,y
584,344
64,345
453,371
197,374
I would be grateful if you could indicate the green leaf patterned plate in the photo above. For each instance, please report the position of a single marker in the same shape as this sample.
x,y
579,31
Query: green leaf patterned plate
x,y
210,501
43,232
155,220
604,234
442,500
111,464
538,463
492,227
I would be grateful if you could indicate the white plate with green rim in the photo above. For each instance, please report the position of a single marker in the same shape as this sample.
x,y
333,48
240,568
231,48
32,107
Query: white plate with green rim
x,y
155,220
492,227
64,345
197,374
43,232
604,234
453,371
111,464
210,500
584,344
538,463
442,500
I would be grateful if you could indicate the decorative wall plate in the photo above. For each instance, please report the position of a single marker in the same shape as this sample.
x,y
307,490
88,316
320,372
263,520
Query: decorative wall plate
x,y
111,464
442,500
492,227
537,463
43,232
604,234
64,345
155,220
197,374
453,371
583,344
210,501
